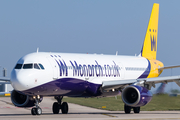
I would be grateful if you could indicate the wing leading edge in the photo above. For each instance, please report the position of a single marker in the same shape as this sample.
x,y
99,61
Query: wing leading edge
x,y
5,80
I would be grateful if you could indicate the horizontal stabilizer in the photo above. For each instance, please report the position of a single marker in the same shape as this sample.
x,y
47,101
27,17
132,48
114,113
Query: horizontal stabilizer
x,y
169,67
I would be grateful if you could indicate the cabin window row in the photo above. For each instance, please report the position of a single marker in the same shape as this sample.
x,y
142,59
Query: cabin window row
x,y
135,69
111,68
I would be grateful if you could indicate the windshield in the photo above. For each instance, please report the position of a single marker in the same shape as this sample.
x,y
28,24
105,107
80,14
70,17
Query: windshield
x,y
18,66
29,66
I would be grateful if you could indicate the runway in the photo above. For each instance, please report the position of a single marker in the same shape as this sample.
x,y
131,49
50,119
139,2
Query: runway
x,y
77,112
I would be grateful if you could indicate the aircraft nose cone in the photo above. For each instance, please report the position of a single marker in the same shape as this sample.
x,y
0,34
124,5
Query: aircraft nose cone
x,y
19,80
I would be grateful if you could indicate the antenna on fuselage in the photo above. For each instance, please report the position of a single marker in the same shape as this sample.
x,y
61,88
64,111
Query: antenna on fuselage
x,y
37,50
116,52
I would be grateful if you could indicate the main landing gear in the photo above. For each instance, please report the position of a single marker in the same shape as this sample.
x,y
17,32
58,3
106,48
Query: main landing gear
x,y
36,110
57,106
127,109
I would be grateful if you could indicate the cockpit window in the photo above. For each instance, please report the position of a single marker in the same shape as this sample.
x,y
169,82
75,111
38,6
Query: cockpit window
x,y
28,66
36,66
18,66
42,67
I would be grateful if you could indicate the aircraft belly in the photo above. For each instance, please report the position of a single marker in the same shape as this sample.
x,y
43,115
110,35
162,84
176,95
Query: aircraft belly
x,y
64,87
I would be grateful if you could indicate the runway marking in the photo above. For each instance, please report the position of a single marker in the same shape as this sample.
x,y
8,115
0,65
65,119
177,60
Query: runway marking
x,y
18,107
24,108
109,115
152,119
6,102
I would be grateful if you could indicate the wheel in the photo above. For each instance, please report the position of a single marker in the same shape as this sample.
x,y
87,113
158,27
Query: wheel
x,y
56,108
127,109
136,109
33,111
64,108
38,111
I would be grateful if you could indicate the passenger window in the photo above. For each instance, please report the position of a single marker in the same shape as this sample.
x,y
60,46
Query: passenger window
x,y
41,66
36,66
28,66
18,66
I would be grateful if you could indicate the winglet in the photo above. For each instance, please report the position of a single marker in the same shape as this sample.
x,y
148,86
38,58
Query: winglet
x,y
150,42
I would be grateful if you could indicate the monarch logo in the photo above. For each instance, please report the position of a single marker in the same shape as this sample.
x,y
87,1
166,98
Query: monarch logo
x,y
63,70
153,43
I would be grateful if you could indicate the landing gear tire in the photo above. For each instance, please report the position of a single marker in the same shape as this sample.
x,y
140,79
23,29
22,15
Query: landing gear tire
x,y
64,108
56,108
33,111
36,111
127,109
136,109
57,105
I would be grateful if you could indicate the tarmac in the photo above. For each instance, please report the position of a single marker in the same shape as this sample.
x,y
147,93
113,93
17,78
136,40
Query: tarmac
x,y
77,112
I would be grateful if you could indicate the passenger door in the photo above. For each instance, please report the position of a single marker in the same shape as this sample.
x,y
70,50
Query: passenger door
x,y
54,66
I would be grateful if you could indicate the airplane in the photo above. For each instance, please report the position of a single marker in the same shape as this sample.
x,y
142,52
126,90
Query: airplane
x,y
40,74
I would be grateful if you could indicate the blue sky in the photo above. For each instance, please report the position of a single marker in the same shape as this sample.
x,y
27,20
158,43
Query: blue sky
x,y
84,26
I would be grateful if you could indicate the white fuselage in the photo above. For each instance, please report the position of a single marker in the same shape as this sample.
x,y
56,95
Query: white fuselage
x,y
73,74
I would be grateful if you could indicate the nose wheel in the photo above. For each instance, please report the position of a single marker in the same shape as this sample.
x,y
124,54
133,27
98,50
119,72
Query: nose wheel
x,y
59,106
36,110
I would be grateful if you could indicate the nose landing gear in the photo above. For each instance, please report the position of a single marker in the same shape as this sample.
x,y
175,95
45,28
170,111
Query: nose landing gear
x,y
57,106
36,110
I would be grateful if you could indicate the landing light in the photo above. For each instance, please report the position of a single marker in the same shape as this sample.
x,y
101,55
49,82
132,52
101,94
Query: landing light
x,y
38,96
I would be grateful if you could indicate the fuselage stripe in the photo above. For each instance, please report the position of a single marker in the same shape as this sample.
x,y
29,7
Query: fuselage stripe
x,y
147,71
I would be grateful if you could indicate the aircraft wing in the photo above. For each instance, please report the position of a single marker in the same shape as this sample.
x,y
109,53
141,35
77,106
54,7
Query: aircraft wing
x,y
147,82
5,80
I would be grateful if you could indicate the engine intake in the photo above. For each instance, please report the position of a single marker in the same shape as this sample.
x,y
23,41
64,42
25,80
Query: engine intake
x,y
136,96
21,100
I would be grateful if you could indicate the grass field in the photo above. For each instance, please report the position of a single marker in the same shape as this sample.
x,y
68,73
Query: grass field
x,y
159,102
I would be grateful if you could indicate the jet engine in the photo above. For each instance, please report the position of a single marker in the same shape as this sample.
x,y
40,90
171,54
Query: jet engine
x,y
21,100
136,96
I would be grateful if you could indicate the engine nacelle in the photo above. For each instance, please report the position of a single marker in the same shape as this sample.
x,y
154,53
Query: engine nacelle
x,y
21,100
136,96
